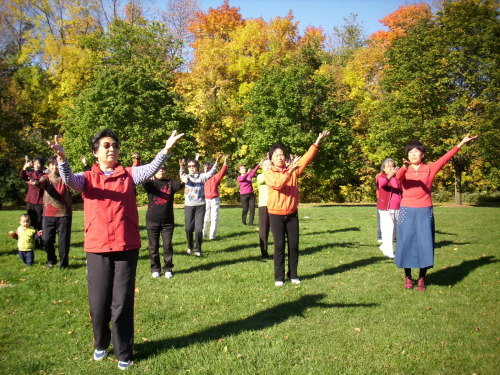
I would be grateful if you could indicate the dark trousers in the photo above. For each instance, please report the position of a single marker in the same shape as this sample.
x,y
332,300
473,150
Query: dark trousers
x,y
166,231
194,216
263,230
248,204
285,226
35,212
28,257
111,288
62,227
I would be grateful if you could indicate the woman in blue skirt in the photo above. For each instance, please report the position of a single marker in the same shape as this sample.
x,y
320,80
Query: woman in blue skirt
x,y
415,232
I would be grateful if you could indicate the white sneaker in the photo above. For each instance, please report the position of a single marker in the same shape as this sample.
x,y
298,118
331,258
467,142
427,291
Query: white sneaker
x,y
155,275
188,251
295,281
123,365
198,253
99,355
278,283
169,274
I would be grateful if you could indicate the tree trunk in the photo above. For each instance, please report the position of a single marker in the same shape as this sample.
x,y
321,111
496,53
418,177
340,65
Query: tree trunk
x,y
458,186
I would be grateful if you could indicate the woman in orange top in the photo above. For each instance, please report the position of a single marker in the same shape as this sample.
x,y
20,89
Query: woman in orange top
x,y
282,205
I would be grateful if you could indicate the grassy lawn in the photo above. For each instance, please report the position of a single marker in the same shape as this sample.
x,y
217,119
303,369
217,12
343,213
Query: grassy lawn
x,y
222,314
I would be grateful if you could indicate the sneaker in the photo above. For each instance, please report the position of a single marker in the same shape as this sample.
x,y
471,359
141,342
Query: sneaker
x,y
169,274
155,275
408,283
123,365
421,284
198,253
295,281
99,355
188,251
278,283
49,266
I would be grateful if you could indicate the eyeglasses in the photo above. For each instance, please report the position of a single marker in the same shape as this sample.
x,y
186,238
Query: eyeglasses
x,y
163,168
107,145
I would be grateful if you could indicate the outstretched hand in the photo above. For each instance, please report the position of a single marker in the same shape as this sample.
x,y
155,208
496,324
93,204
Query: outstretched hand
x,y
171,141
321,136
58,149
406,163
466,139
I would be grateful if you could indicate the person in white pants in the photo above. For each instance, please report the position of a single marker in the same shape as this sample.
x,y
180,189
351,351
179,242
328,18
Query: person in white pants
x,y
212,200
388,202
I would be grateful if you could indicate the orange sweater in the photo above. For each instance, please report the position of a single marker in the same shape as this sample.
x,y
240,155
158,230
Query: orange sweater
x,y
283,185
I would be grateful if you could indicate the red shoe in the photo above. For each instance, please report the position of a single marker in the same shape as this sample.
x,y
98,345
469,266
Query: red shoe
x,y
421,285
408,283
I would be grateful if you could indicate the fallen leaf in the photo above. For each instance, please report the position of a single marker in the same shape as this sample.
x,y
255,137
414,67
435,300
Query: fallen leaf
x,y
357,329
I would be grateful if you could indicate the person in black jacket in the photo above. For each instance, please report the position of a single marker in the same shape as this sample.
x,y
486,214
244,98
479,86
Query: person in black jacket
x,y
160,220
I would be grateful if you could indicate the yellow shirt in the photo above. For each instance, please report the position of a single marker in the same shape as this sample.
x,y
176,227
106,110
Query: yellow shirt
x,y
26,239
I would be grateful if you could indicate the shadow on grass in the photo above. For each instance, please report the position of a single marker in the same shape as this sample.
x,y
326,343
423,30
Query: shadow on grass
x,y
351,229
210,266
345,267
261,320
454,274
440,244
326,246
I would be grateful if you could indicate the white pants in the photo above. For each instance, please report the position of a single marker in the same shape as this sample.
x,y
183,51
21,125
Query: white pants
x,y
212,207
388,220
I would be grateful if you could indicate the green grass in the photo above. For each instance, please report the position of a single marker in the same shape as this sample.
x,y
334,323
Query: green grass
x,y
222,314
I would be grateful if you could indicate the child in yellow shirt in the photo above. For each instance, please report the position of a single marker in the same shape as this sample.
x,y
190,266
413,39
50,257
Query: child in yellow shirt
x,y
26,236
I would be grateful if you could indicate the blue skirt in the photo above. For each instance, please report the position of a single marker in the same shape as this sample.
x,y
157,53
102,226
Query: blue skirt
x,y
415,238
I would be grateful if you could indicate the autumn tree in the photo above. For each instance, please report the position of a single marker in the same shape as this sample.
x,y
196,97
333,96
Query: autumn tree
x,y
442,82
132,93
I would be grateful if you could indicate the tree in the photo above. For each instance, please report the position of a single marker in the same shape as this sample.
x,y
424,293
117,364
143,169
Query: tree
x,y
442,82
132,93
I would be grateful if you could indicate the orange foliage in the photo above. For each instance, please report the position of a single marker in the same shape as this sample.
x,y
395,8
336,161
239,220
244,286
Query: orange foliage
x,y
313,36
219,22
399,21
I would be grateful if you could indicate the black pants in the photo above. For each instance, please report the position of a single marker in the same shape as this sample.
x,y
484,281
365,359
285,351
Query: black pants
x,y
285,226
263,230
62,227
167,232
248,204
111,288
35,212
194,216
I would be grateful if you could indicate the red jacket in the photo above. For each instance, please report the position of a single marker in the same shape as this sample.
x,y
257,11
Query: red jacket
x,y
385,191
212,184
110,211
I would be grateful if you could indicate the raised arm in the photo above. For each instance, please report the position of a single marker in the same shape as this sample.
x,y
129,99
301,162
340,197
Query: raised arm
x,y
74,181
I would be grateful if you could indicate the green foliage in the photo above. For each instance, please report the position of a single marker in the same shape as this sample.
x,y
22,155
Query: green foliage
x,y
132,93
441,84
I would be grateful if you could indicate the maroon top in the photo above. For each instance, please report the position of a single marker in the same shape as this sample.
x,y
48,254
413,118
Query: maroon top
x,y
34,195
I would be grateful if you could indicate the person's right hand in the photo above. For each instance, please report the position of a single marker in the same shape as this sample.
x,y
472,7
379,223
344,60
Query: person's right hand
x,y
27,162
58,149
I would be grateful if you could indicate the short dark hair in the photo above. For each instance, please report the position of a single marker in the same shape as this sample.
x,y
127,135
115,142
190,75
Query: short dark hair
x,y
208,165
52,160
41,159
94,142
194,161
275,147
414,144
